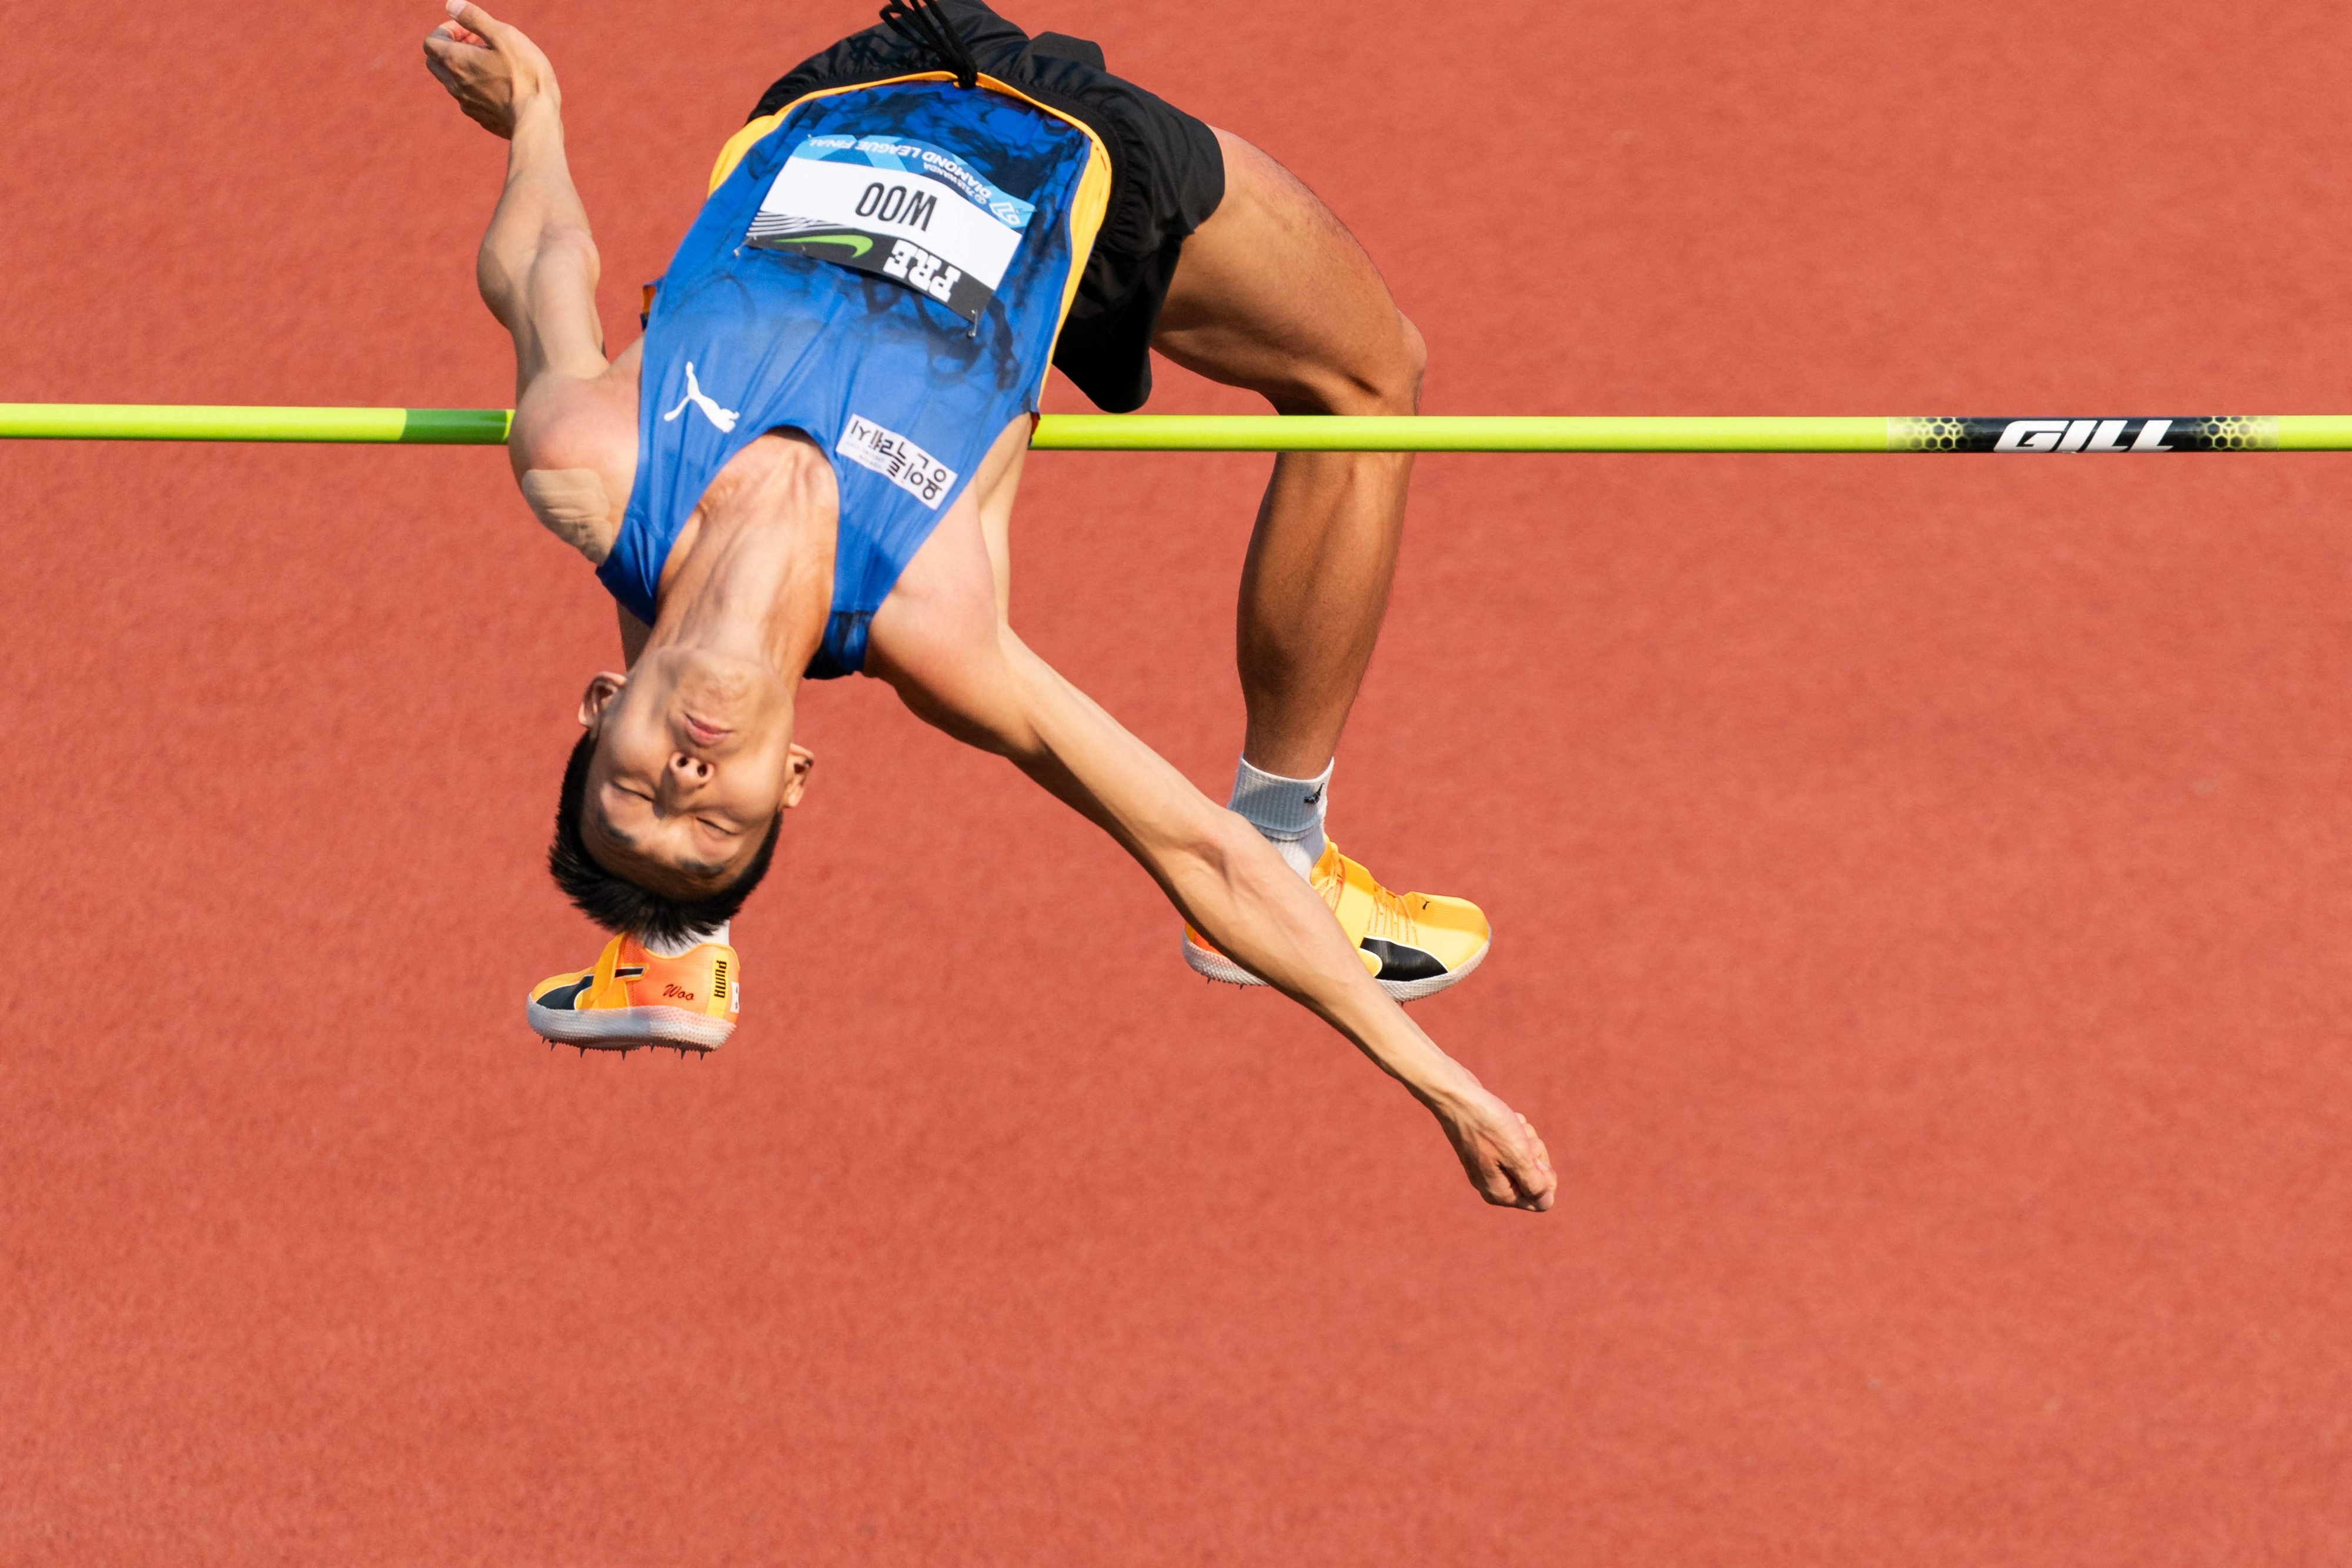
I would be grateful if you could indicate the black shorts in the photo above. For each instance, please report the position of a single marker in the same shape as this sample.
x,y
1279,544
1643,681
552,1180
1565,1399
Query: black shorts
x,y
1167,175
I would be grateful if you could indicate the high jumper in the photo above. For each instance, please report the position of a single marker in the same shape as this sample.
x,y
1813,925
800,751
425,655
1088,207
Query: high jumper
x,y
806,468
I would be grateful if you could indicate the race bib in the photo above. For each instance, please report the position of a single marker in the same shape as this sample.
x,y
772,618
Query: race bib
x,y
898,209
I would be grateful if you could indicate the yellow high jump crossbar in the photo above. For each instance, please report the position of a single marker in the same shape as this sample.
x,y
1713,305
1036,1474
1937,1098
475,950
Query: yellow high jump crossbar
x,y
1269,432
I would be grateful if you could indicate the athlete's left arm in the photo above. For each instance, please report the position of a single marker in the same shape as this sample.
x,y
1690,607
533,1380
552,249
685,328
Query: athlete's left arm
x,y
537,265
573,442
941,641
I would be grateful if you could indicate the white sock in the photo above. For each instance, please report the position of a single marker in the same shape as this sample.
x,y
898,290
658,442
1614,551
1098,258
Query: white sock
x,y
687,944
1287,812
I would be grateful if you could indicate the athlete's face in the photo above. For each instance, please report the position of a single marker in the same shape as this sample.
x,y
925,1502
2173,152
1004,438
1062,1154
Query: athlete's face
x,y
694,759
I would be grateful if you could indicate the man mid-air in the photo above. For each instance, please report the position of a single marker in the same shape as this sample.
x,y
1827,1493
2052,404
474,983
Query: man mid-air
x,y
806,467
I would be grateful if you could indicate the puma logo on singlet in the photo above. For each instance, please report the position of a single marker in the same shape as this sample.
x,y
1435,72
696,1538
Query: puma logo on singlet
x,y
724,418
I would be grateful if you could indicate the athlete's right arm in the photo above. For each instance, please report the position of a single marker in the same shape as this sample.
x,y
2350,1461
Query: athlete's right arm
x,y
941,641
573,441
1215,868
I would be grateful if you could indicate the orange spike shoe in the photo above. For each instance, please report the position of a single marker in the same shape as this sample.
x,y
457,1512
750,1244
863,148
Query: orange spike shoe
x,y
633,997
1414,944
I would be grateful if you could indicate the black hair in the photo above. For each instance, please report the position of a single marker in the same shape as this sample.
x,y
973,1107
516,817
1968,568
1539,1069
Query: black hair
x,y
615,902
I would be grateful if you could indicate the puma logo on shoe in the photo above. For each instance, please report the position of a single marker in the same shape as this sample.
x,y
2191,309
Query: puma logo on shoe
x,y
564,998
724,418
1399,961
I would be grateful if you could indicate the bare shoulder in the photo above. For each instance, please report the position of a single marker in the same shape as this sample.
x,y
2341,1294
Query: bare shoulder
x,y
940,619
943,623
574,449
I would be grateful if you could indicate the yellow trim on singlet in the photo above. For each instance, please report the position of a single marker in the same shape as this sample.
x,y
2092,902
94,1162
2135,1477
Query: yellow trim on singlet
x,y
1087,208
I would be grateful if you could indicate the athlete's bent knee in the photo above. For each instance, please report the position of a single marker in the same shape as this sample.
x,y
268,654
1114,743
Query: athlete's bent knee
x,y
1414,352
1382,381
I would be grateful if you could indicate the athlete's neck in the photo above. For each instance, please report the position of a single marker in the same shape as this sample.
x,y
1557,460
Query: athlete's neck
x,y
750,575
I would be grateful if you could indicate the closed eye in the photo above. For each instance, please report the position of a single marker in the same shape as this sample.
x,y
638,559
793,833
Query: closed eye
x,y
722,829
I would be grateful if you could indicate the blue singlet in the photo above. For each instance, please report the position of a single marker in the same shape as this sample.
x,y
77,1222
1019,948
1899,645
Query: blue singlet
x,y
885,270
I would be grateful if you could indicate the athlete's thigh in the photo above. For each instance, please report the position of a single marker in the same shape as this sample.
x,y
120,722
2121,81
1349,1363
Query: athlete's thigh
x,y
1273,293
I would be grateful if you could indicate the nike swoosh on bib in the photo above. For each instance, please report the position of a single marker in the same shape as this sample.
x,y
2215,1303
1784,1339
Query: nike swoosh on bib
x,y
858,243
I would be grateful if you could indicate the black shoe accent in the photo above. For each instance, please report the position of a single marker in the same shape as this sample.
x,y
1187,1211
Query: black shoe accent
x,y
628,972
1399,962
563,996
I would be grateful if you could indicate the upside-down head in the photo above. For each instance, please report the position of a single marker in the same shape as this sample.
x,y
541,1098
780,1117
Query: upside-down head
x,y
675,796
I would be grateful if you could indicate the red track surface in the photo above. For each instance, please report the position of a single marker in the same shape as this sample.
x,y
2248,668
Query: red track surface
x,y
1920,884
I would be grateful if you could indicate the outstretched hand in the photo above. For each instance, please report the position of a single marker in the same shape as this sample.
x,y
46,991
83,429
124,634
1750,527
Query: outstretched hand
x,y
1499,1152
491,68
